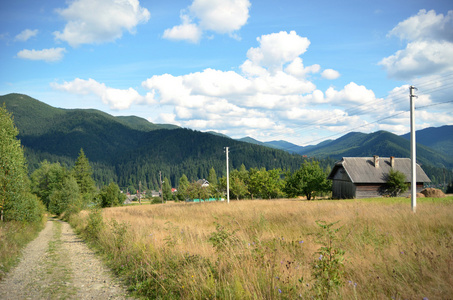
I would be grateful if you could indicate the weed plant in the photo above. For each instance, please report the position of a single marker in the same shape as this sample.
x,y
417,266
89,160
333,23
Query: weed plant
x,y
268,249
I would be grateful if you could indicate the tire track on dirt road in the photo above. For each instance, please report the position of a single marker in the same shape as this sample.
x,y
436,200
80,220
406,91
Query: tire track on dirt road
x,y
58,265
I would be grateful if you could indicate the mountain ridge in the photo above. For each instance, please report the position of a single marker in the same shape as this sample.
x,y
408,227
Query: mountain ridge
x,y
128,149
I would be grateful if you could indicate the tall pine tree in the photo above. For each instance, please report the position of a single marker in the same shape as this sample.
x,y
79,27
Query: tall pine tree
x,y
83,174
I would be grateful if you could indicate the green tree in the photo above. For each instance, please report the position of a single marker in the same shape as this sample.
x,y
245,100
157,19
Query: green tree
x,y
309,180
111,195
213,184
238,188
66,198
396,183
264,184
196,191
182,187
212,178
166,189
83,174
16,202
449,188
47,179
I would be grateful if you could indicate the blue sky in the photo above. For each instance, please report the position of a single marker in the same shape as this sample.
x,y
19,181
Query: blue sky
x,y
301,71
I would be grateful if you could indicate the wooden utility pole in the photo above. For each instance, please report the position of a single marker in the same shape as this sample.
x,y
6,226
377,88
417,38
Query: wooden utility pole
x,y
413,154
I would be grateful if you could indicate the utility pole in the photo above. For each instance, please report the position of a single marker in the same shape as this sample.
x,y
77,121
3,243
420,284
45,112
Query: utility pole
x,y
228,176
161,190
413,154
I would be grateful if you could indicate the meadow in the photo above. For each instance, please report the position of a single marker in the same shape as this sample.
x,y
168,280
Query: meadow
x,y
280,249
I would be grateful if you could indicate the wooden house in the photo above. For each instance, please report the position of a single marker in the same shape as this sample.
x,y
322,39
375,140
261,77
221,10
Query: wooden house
x,y
365,177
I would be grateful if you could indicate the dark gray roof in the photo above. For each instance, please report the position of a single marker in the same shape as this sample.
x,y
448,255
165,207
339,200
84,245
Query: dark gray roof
x,y
362,169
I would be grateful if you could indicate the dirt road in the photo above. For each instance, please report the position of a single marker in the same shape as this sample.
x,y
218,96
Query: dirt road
x,y
58,265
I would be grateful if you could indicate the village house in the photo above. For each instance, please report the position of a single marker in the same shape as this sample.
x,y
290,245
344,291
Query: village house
x,y
366,177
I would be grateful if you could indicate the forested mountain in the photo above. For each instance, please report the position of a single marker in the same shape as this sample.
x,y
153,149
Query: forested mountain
x,y
437,138
380,143
128,150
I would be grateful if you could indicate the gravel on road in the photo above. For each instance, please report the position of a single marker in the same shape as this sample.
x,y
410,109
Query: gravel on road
x,y
59,265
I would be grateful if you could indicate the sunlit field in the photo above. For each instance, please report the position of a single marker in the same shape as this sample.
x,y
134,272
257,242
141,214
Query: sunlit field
x,y
271,249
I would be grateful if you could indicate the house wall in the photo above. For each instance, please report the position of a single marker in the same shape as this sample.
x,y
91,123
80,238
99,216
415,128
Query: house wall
x,y
408,192
377,190
368,190
342,187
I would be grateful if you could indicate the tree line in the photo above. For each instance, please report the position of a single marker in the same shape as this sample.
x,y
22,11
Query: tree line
x,y
310,181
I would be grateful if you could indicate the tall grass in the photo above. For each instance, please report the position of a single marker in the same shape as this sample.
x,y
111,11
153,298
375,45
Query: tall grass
x,y
269,249
14,236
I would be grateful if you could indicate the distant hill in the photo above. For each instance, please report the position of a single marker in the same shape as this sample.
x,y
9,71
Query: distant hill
x,y
380,143
434,146
284,145
130,149
142,124
437,138
250,140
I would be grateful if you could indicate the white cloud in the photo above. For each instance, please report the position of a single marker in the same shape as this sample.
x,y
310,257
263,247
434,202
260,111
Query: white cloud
x,y
98,21
116,98
47,55
277,49
187,31
420,58
219,16
26,34
429,48
297,68
352,93
330,74
426,26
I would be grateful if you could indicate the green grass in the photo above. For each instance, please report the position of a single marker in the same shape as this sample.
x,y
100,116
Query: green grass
x,y
14,236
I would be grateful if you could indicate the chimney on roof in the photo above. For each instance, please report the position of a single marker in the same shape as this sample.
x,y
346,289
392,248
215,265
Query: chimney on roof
x,y
392,161
376,161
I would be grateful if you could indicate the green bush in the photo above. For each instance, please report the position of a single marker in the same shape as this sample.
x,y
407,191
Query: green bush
x,y
95,223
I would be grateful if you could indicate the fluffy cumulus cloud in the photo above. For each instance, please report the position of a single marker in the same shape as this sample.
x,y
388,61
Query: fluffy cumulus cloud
x,y
429,48
116,98
26,35
47,55
100,21
187,31
352,93
219,16
330,74
272,94
276,50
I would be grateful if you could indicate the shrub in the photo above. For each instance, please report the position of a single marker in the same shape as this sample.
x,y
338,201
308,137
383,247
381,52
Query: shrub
x,y
396,183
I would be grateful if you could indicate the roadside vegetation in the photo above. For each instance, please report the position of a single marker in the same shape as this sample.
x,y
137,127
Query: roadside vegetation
x,y
350,249
21,212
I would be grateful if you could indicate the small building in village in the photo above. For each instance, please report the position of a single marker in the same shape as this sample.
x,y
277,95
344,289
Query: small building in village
x,y
366,177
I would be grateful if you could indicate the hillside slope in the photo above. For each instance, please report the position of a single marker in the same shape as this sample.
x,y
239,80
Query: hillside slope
x,y
380,143
437,138
127,149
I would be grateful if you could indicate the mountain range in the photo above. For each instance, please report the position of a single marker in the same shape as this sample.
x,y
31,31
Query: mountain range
x,y
130,149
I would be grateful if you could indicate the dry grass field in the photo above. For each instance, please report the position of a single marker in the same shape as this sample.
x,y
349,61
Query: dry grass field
x,y
270,249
